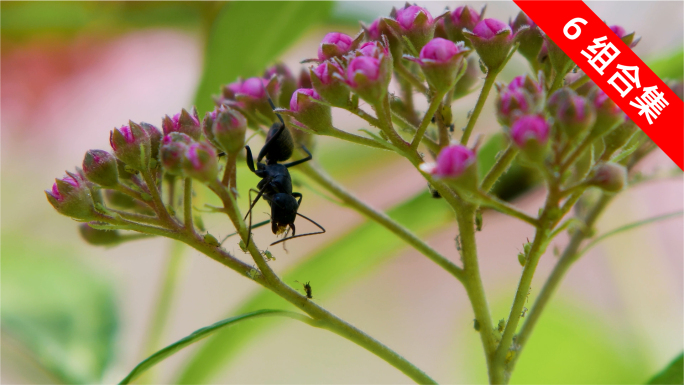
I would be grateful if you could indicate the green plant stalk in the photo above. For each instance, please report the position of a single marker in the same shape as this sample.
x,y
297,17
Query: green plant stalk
x,y
137,217
434,104
161,210
499,168
503,207
490,78
557,83
582,80
465,216
405,74
344,135
443,138
314,172
584,144
325,319
410,128
187,205
564,263
157,326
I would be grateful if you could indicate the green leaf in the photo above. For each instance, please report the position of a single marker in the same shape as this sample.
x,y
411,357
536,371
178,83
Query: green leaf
x,y
247,36
200,334
669,66
336,266
56,309
672,374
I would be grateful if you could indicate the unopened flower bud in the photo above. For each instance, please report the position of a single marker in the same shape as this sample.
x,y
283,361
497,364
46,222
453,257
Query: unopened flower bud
x,y
369,77
372,49
380,28
573,113
442,63
334,44
286,82
492,39
99,237
314,116
456,164
528,35
172,151
417,24
131,144
608,114
618,137
228,130
183,122
200,162
100,167
155,138
609,177
253,94
327,80
627,38
466,84
71,196
304,80
560,61
511,104
530,133
463,17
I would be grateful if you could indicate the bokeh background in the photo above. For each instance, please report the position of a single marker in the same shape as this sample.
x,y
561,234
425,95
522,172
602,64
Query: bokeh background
x,y
73,313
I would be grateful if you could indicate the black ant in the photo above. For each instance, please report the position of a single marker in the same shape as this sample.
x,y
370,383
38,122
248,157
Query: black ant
x,y
276,184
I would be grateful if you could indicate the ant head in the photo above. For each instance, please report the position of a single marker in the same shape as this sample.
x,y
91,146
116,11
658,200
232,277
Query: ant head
x,y
283,212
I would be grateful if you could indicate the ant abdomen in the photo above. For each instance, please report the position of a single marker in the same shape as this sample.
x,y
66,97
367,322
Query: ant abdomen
x,y
280,148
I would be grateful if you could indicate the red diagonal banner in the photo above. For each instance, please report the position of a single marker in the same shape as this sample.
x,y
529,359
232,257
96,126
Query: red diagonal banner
x,y
618,71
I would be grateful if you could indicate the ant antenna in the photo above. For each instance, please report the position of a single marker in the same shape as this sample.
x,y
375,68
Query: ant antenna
x,y
273,107
302,235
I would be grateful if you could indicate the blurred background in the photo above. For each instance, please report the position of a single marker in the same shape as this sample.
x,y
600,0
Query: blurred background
x,y
73,313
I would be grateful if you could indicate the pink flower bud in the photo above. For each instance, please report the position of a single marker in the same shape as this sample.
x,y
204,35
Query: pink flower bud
x,y
200,162
608,114
304,80
574,115
490,28
100,167
71,196
297,104
465,16
254,87
131,145
492,39
407,17
183,122
325,70
453,161
286,82
530,128
368,67
327,80
155,138
372,49
618,30
442,61
228,130
334,44
172,150
313,115
374,30
522,96
609,177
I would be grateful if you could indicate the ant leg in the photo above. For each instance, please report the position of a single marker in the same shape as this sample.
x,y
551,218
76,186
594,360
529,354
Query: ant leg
x,y
250,159
253,227
298,195
249,229
302,235
308,158
273,107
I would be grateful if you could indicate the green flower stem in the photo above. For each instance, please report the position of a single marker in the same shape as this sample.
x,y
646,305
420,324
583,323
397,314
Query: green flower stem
x,y
229,174
344,135
564,263
407,97
410,128
187,205
499,168
582,80
365,116
407,75
542,237
441,124
171,189
465,216
136,217
497,204
557,83
325,319
132,193
484,92
384,114
157,326
434,104
576,153
160,209
319,176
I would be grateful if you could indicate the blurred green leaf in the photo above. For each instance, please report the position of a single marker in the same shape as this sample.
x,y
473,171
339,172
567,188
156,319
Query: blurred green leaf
x,y
515,181
335,266
247,36
672,374
62,312
198,335
670,67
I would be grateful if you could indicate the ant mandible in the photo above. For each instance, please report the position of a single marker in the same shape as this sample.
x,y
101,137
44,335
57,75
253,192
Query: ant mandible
x,y
276,184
